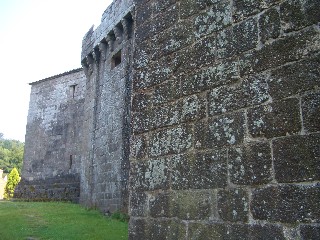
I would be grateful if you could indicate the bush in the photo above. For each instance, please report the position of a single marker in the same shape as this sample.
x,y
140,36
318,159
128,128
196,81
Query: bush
x,y
13,180
122,217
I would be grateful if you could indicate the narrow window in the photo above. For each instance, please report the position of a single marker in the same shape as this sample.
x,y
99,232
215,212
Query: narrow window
x,y
73,90
116,59
70,161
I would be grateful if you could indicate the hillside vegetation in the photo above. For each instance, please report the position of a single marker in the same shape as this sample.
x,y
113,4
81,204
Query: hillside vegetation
x,y
11,154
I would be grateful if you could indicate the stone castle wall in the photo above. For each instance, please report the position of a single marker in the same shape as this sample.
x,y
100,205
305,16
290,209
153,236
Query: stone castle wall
x,y
78,130
106,59
59,188
53,134
225,113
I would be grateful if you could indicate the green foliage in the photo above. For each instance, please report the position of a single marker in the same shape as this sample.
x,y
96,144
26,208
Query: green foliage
x,y
11,154
56,220
13,180
122,217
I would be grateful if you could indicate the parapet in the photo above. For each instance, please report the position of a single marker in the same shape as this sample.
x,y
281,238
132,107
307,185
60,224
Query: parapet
x,y
117,12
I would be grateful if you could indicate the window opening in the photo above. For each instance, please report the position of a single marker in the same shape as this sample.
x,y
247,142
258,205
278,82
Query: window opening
x,y
73,90
116,59
70,161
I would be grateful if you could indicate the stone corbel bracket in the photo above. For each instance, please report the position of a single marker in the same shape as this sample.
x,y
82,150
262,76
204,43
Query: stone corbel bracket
x,y
87,64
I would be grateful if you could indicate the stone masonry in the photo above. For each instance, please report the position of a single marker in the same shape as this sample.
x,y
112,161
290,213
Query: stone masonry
x,y
226,120
107,61
198,117
52,159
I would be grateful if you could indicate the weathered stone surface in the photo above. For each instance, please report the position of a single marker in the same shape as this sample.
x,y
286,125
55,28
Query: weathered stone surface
x,y
142,121
156,73
138,146
297,158
141,101
267,232
295,78
166,92
277,119
166,115
148,27
250,164
247,33
215,19
60,188
225,44
237,231
202,54
233,205
209,170
286,203
281,51
168,17
190,7
55,118
160,6
226,130
161,205
170,141
296,14
172,40
193,108
311,112
181,173
207,231
251,91
218,75
150,176
166,229
138,204
234,231
243,84
144,13
310,232
245,8
137,229
203,171
269,23
192,205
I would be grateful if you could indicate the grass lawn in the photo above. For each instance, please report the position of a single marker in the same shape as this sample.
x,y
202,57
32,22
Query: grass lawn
x,y
53,220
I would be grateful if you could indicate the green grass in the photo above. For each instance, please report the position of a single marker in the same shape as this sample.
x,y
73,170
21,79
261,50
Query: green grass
x,y
53,220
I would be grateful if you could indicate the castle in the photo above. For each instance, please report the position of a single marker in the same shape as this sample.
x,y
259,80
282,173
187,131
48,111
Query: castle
x,y
200,118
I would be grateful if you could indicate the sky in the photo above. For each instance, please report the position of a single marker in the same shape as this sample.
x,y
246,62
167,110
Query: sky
x,y
38,39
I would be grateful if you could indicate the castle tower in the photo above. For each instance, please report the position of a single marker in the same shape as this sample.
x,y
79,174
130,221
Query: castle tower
x,y
107,61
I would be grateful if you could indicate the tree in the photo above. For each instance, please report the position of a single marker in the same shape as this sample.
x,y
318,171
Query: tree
x,y
11,155
12,182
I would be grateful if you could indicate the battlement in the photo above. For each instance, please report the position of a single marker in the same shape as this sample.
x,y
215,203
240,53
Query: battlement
x,y
113,17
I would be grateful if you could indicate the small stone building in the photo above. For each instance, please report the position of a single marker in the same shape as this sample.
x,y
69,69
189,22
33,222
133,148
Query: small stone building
x,y
3,181
52,162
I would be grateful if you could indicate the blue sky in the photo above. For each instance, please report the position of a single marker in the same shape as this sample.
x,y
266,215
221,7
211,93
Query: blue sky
x,y
38,39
